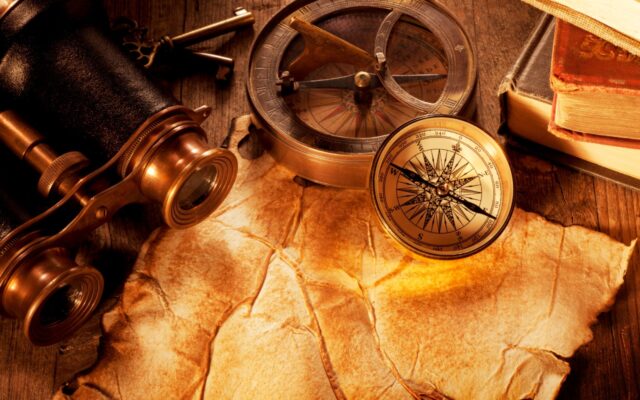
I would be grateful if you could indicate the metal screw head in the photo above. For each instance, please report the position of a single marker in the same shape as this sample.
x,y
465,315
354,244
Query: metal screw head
x,y
240,11
444,189
381,62
362,79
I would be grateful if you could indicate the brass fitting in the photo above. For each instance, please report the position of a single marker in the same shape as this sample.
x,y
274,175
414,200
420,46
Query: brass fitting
x,y
50,294
174,165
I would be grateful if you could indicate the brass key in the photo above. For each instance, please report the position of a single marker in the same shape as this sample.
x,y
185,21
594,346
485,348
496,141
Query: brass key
x,y
146,51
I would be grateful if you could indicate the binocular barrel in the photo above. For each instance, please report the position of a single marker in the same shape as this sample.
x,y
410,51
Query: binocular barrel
x,y
100,135
60,70
47,291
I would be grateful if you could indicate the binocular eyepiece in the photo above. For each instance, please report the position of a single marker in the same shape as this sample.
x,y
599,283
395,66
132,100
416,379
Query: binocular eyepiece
x,y
100,135
51,295
40,285
174,166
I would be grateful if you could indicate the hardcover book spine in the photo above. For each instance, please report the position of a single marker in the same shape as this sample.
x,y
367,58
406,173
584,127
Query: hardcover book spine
x,y
510,81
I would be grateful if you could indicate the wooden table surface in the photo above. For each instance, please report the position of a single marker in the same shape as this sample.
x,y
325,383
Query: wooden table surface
x,y
606,368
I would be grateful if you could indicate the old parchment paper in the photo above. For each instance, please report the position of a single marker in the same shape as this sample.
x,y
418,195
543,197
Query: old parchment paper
x,y
295,293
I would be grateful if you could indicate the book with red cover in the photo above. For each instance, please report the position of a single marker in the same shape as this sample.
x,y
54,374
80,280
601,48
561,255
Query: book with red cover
x,y
525,101
597,74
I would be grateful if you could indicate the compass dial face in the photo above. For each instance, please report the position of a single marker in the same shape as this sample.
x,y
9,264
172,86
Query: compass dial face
x,y
442,187
412,50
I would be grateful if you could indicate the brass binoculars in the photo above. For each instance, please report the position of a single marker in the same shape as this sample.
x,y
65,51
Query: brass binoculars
x,y
100,135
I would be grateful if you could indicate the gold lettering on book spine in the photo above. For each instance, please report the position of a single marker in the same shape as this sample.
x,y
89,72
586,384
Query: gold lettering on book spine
x,y
595,47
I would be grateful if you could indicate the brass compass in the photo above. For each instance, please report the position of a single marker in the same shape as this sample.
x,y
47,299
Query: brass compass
x,y
330,79
442,187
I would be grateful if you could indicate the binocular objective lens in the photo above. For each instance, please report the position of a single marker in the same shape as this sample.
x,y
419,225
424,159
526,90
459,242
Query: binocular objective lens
x,y
197,188
59,305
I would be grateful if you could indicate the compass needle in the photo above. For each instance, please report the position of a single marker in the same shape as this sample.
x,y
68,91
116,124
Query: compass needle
x,y
472,207
347,81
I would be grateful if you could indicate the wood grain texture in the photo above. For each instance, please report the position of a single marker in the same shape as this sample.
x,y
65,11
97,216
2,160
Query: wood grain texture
x,y
606,368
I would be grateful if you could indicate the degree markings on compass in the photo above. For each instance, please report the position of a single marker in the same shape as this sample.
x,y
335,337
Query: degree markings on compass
x,y
268,46
336,111
385,118
261,91
342,123
305,10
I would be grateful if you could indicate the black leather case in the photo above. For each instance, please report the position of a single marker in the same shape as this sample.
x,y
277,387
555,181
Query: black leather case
x,y
61,71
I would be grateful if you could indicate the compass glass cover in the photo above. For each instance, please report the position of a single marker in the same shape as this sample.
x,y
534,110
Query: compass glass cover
x,y
442,187
412,50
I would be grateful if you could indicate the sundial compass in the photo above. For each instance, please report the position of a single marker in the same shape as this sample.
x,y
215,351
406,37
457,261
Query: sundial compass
x,y
329,80
341,89
442,187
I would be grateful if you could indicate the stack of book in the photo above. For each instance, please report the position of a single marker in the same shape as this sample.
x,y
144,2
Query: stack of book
x,y
576,94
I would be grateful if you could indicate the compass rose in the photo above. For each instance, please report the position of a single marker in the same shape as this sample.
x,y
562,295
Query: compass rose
x,y
439,190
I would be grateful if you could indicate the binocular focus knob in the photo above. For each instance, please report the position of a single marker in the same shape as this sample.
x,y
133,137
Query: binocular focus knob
x,y
54,176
